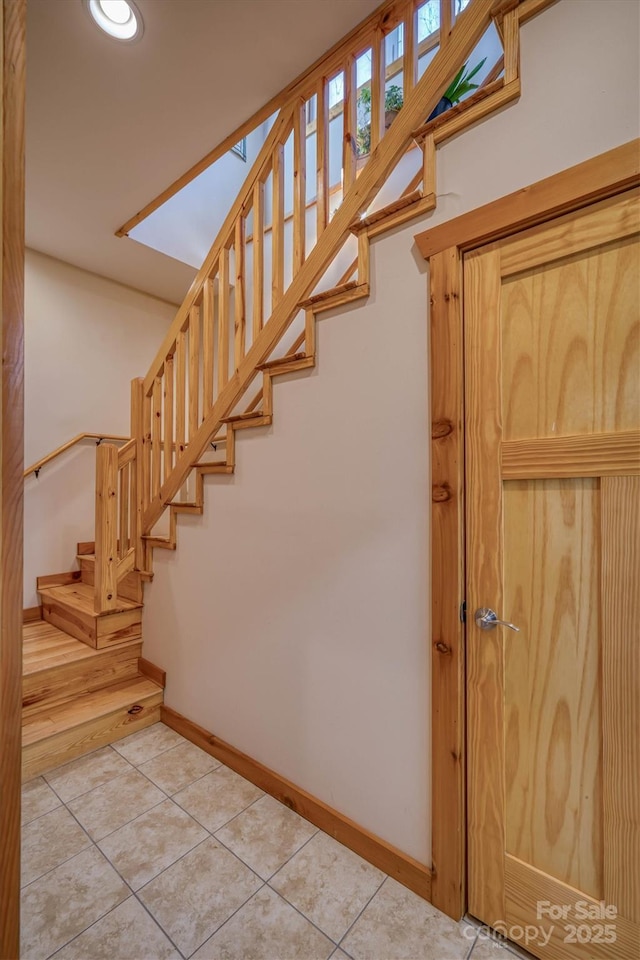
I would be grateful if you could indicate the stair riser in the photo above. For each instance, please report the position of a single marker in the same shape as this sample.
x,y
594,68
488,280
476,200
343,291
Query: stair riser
x,y
60,748
58,684
98,632
130,587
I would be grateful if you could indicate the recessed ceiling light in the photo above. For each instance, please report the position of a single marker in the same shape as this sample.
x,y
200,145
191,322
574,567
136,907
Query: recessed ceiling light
x,y
119,18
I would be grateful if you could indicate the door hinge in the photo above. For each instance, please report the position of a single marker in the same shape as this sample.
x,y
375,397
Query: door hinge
x,y
463,612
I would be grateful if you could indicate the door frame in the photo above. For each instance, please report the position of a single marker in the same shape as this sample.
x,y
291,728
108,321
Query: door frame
x,y
443,247
12,77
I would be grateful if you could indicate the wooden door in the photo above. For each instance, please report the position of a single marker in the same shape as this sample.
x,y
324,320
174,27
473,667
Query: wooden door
x,y
552,396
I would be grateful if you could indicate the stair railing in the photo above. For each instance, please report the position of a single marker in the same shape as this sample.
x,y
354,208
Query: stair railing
x,y
211,355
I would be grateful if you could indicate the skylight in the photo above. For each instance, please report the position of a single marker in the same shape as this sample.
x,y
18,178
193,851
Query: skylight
x,y
119,18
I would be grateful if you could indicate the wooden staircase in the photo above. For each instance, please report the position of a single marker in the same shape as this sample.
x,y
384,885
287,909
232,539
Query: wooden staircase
x,y
85,683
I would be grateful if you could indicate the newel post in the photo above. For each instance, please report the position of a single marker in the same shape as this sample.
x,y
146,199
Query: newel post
x,y
137,433
105,592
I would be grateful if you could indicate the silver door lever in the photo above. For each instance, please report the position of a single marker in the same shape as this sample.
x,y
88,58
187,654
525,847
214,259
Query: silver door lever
x,y
487,619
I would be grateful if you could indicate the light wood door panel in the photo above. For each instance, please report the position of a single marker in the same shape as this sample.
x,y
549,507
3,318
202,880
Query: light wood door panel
x,y
571,336
551,679
552,394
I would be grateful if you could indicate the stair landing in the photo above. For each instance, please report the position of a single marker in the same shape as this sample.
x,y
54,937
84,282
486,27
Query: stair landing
x,y
70,607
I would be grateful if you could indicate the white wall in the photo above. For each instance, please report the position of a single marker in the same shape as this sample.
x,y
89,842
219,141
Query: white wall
x,y
292,619
186,225
85,340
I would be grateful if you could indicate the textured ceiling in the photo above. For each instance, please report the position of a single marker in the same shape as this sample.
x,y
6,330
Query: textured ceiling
x,y
110,125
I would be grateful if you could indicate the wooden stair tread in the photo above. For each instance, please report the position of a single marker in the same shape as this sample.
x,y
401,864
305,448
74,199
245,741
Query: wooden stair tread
x,y
362,223
45,647
329,294
242,417
66,716
81,597
280,361
204,467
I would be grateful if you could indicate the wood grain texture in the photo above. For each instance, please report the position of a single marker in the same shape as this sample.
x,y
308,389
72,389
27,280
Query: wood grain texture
x,y
258,260
511,43
277,228
68,730
485,651
12,72
299,185
239,294
525,887
156,436
381,854
620,511
58,668
480,104
105,587
39,464
608,174
571,347
566,331
137,433
448,889
208,345
615,218
585,455
193,391
553,776
168,411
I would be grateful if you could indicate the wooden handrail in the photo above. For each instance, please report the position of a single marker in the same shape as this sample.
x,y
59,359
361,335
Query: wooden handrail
x,y
465,33
227,328
275,135
39,464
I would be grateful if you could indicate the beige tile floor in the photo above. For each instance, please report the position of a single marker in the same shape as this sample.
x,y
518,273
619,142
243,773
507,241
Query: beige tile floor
x,y
151,849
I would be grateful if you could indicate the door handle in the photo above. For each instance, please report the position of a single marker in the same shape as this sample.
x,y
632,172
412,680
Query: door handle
x,y
487,619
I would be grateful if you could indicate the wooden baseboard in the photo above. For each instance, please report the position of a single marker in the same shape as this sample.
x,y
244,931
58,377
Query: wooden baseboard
x,y
148,669
398,865
29,614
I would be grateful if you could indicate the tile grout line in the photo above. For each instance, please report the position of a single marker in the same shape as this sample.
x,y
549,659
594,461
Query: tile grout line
x,y
352,925
67,859
230,917
93,752
132,892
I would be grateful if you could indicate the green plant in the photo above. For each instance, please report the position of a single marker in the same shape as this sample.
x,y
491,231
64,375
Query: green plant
x,y
393,101
461,83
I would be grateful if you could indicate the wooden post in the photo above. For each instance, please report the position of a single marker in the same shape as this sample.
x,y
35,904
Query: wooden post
x,y
428,165
239,294
223,320
156,437
446,21
137,486
106,527
447,585
349,148
377,88
410,59
168,416
208,348
12,23
258,259
322,156
277,227
299,185
194,370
